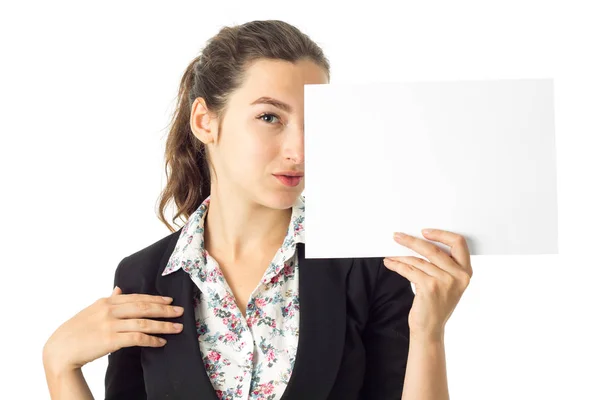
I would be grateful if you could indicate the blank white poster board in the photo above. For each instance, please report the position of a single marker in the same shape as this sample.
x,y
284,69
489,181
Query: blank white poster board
x,y
475,157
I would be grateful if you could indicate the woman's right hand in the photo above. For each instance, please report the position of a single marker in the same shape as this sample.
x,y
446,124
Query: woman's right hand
x,y
108,325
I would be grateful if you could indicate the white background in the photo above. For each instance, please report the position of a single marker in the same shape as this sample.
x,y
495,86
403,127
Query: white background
x,y
86,93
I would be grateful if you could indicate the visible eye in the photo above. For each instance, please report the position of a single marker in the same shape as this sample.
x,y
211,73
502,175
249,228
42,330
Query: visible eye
x,y
267,115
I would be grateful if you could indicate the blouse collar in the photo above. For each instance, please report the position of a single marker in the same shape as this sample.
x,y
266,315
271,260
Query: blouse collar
x,y
191,255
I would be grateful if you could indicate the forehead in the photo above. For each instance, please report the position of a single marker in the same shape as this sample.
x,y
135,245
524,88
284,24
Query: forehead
x,y
280,79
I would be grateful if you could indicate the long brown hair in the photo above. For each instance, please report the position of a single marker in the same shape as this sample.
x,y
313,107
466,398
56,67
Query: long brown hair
x,y
214,75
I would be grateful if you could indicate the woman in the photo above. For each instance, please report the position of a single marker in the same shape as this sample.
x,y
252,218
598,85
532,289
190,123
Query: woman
x,y
259,321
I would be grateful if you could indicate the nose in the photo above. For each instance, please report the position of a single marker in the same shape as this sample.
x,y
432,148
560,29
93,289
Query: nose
x,y
294,146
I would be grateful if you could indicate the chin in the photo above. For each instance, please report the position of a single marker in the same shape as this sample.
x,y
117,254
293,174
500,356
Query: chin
x,y
281,199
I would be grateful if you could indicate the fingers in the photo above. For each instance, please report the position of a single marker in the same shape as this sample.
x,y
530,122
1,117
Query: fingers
x,y
130,326
134,297
459,248
423,265
415,275
128,339
144,309
432,252
427,249
146,326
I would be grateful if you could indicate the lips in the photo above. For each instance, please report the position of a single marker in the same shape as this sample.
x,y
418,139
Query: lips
x,y
289,180
290,173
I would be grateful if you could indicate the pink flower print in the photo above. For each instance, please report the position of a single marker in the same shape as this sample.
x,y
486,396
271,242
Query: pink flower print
x,y
287,270
290,309
230,337
219,393
273,325
270,355
229,301
265,388
211,276
260,302
214,356
268,388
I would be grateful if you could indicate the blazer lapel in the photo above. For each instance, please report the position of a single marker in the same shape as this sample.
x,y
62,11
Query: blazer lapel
x,y
322,288
322,292
182,352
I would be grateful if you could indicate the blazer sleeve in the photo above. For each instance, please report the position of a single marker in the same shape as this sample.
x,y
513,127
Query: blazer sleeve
x,y
386,336
124,379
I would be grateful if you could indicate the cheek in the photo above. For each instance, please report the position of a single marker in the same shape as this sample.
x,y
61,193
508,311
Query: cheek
x,y
255,155
261,151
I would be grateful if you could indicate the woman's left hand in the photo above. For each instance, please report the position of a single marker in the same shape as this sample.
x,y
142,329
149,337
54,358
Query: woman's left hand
x,y
439,282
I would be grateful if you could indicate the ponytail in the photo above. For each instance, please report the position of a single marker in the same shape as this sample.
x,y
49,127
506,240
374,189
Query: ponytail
x,y
185,157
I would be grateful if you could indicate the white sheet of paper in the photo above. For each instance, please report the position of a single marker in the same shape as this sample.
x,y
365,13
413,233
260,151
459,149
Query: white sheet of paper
x,y
472,157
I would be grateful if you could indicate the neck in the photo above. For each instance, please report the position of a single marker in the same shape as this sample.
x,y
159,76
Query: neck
x,y
239,229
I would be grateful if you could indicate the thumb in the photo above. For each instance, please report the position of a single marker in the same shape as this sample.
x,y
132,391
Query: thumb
x,y
117,290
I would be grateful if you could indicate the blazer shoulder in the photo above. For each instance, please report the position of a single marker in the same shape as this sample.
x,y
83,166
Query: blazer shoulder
x,y
370,277
366,270
372,269
139,269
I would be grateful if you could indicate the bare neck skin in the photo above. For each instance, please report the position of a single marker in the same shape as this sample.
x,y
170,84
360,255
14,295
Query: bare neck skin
x,y
238,229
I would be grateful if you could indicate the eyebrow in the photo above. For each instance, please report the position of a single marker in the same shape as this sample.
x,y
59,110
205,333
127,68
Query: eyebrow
x,y
274,102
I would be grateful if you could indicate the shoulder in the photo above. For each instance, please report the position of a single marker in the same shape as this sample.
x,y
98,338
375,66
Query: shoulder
x,y
370,277
141,267
371,272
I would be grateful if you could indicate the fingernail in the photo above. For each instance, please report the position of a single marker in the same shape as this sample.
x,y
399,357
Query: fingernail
x,y
167,298
427,231
399,235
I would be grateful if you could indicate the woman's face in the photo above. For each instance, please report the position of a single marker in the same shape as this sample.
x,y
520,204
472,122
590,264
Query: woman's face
x,y
260,140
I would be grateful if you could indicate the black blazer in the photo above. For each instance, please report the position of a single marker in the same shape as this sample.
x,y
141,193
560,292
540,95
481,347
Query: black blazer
x,y
353,341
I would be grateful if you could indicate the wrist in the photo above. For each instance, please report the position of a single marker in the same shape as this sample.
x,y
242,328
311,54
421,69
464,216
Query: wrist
x,y
427,337
56,365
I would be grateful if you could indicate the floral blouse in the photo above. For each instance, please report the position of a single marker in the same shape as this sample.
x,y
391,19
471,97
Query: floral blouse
x,y
251,357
